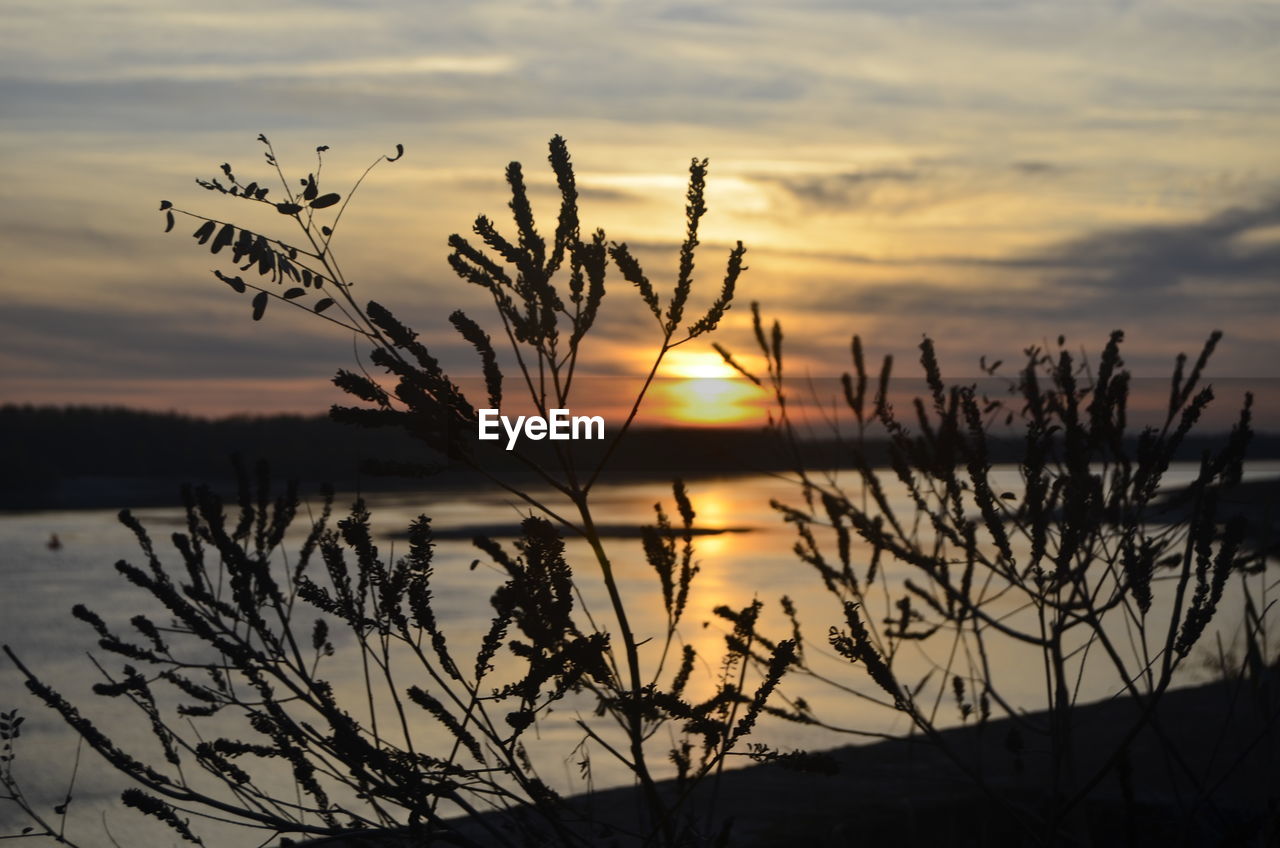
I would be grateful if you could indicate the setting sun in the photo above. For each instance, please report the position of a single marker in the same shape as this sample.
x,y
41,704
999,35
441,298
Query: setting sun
x,y
698,365
702,389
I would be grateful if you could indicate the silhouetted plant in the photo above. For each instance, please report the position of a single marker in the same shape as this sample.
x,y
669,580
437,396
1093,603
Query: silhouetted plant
x,y
244,649
1086,561
233,684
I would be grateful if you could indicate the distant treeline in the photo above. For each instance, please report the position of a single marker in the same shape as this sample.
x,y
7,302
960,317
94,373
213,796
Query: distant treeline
x,y
72,457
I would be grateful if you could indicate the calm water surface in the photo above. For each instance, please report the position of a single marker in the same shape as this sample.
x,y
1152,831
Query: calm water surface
x,y
40,586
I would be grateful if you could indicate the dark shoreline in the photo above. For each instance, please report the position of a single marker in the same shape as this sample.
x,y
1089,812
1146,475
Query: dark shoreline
x,y
87,458
907,792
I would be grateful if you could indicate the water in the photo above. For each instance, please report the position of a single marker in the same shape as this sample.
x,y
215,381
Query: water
x,y
40,585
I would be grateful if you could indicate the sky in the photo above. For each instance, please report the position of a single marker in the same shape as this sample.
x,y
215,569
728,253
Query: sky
x,y
991,173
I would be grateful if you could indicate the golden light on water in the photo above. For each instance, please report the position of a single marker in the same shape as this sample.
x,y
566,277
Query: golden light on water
x,y
702,389
714,584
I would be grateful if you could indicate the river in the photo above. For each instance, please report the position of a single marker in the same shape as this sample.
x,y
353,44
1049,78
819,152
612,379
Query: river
x,y
752,559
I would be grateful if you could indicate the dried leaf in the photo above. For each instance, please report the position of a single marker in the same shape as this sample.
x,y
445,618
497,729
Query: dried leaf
x,y
236,282
224,238
205,231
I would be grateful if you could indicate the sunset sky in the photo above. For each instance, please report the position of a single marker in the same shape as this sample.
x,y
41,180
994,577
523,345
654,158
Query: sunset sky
x,y
990,172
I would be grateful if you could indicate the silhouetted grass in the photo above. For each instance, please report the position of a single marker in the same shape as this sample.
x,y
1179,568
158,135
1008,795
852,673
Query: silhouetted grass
x,y
1074,564
1086,562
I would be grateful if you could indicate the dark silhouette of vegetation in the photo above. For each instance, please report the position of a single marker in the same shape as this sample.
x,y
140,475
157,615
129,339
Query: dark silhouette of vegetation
x,y
943,558
232,604
1082,559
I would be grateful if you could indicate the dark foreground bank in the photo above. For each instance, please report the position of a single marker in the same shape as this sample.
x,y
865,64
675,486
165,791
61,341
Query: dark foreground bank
x,y
1203,772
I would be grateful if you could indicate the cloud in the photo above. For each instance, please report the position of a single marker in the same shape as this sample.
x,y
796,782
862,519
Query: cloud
x,y
1168,284
1033,167
113,342
957,136
845,191
110,342
346,69
1147,261
1233,253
